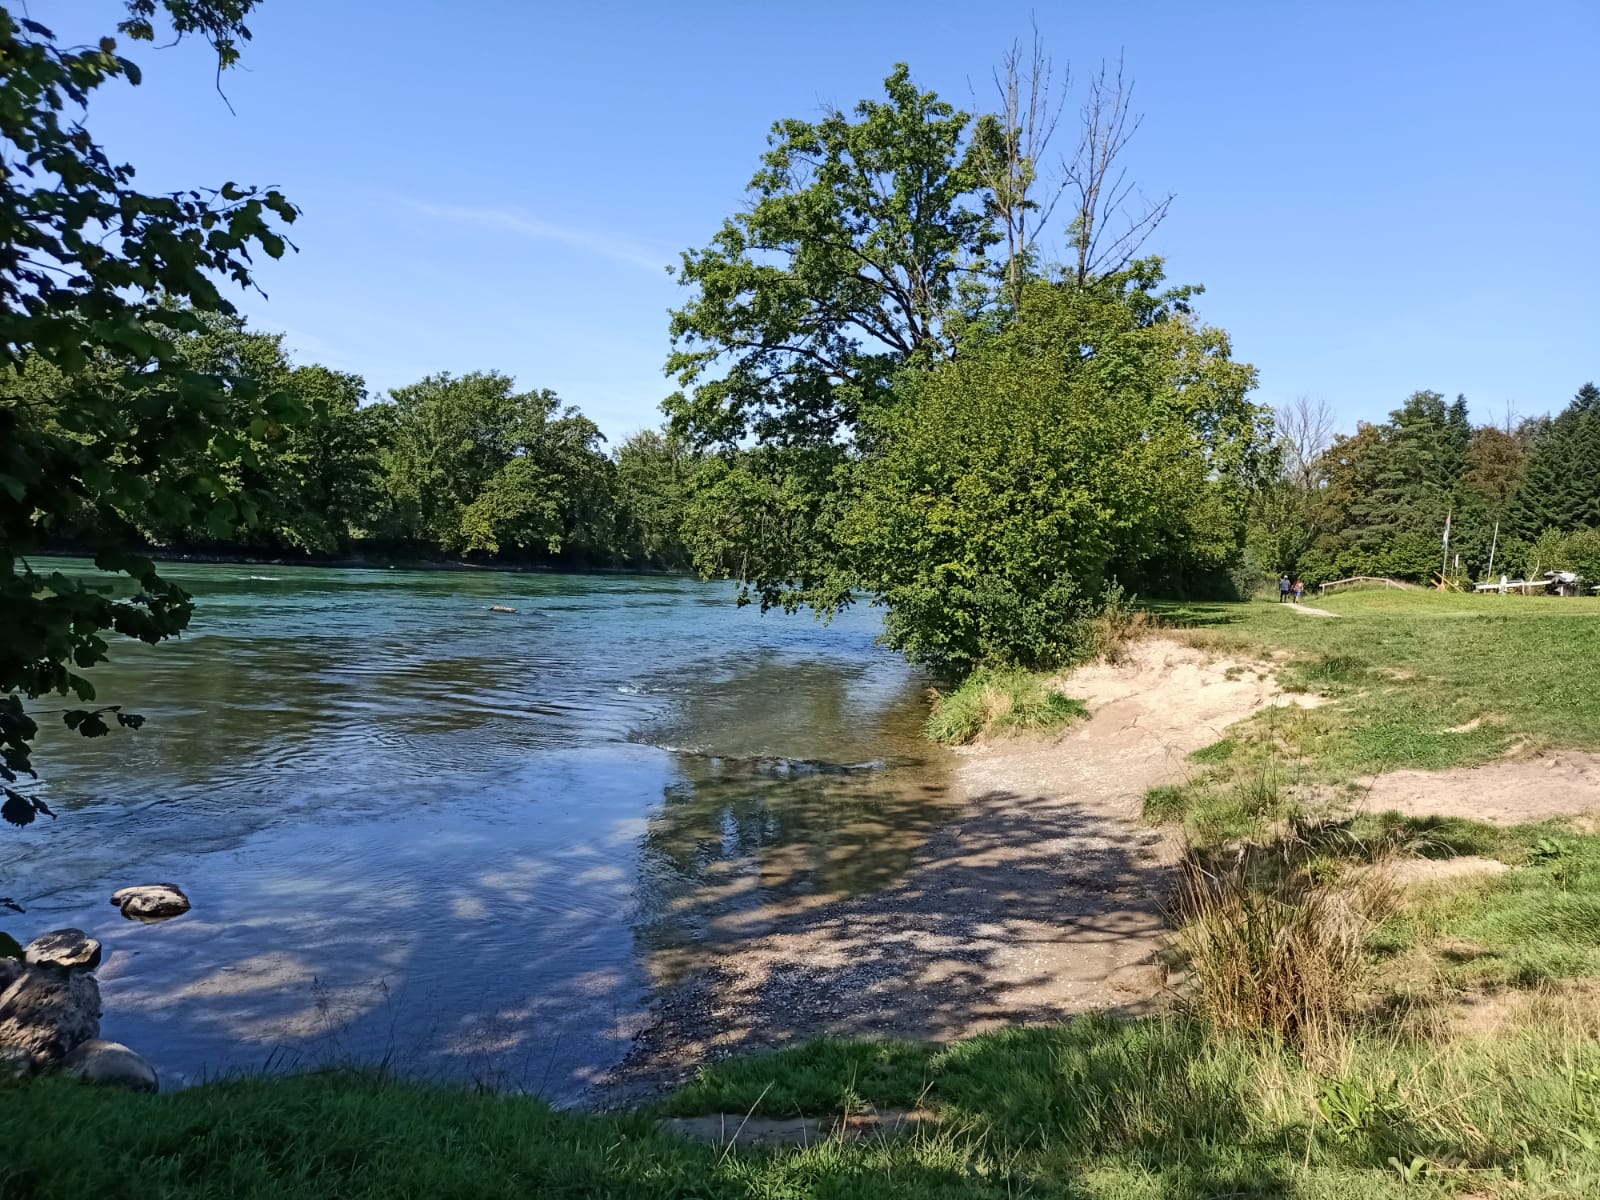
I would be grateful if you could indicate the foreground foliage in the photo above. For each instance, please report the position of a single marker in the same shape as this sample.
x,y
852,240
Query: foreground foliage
x,y
99,281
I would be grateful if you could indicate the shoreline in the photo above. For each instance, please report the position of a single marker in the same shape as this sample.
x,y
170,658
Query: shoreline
x,y
357,563
1040,895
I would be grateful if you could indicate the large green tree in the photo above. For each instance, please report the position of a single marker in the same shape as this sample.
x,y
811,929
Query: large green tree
x,y
883,240
848,262
1561,490
1104,429
97,281
474,465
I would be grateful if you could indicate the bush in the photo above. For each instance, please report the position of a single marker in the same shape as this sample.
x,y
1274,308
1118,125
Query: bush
x,y
1088,439
1577,550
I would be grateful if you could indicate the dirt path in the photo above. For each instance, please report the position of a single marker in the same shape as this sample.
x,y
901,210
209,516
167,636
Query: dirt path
x,y
1309,611
1040,898
1565,783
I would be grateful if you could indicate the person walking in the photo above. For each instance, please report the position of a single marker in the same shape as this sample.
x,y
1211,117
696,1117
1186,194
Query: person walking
x,y
1299,589
1283,588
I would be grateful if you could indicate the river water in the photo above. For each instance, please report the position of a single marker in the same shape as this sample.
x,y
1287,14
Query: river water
x,y
470,845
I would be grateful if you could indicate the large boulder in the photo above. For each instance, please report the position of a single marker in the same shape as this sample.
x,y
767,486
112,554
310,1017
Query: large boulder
x,y
110,1064
49,1012
69,948
151,901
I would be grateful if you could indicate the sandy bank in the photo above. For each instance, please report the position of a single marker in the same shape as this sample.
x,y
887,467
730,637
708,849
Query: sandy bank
x,y
1035,900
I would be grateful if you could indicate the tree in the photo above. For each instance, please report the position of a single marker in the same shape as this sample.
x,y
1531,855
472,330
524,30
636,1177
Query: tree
x,y
867,249
653,474
847,264
1399,517
1562,487
1108,228
97,279
1102,430
1291,510
473,465
1009,146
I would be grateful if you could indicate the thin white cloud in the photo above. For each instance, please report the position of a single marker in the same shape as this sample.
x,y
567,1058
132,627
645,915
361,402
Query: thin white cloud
x,y
603,245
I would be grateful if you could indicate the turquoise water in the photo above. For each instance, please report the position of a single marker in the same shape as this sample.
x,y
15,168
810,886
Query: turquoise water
x,y
471,845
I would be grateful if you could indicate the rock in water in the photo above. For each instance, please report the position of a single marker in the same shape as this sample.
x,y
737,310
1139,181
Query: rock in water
x,y
151,901
69,948
49,1012
501,608
110,1064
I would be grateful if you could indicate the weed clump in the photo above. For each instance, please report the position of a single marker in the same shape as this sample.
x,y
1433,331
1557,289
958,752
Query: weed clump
x,y
990,701
1277,945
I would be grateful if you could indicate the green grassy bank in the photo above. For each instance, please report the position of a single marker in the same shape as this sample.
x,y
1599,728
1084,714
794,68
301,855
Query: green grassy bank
x,y
1155,1108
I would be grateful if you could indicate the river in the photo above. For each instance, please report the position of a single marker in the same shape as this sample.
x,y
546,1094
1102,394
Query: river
x,y
469,845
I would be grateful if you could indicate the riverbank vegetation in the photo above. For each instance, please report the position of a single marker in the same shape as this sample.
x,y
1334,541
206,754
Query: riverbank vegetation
x,y
1105,1109
1520,497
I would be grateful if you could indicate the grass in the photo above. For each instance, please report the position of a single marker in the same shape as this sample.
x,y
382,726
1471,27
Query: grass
x,y
1153,1109
996,702
1408,667
1533,925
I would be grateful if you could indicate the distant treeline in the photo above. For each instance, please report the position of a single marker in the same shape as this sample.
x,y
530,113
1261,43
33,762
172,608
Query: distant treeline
x,y
1520,497
460,467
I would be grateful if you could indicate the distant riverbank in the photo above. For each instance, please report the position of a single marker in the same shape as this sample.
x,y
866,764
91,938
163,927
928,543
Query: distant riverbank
x,y
376,562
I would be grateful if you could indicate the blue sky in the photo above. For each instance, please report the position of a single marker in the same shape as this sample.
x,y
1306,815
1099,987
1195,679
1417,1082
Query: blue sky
x,y
1378,197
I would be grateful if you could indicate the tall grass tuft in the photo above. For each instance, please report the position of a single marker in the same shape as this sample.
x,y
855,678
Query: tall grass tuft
x,y
991,701
1275,946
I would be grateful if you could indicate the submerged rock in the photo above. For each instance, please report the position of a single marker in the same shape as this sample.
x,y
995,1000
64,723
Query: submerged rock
x,y
110,1064
151,901
48,1012
69,948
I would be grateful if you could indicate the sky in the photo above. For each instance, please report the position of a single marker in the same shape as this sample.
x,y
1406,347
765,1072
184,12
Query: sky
x,y
1377,197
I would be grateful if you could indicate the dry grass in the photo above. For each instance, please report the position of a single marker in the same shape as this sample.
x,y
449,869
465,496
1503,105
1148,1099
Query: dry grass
x,y
1276,946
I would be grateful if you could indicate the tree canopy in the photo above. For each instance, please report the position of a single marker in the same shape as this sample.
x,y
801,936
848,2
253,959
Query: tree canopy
x,y
97,281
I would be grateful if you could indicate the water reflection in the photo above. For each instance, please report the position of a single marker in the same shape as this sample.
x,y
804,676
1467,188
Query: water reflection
x,y
469,845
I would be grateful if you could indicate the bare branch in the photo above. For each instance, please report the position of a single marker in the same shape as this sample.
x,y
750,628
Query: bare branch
x,y
1107,231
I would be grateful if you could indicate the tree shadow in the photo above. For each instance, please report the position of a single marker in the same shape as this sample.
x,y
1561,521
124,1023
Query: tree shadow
x,y
1011,909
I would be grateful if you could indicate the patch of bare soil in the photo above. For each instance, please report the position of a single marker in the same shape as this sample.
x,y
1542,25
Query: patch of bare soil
x,y
1419,872
1309,611
1508,792
1028,905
